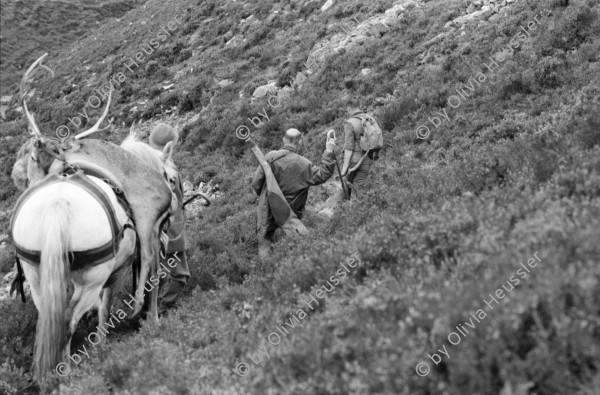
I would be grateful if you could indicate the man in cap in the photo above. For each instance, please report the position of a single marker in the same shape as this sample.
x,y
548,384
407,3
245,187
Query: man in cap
x,y
294,174
174,259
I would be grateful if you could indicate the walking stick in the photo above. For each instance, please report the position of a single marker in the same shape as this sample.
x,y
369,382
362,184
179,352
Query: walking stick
x,y
337,165
195,196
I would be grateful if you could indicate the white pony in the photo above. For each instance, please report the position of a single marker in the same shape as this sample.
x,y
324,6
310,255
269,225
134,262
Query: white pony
x,y
63,232
73,228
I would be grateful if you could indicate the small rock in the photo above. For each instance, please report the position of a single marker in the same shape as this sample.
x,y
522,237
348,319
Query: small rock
x,y
327,5
224,83
235,41
250,19
188,186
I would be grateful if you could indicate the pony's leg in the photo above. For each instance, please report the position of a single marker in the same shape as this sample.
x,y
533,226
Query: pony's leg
x,y
32,274
149,277
77,291
147,253
104,310
149,243
124,257
88,285
153,311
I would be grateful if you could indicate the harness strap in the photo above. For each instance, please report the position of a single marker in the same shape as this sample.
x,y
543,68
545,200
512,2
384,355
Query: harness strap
x,y
120,195
281,155
23,198
17,283
94,190
78,259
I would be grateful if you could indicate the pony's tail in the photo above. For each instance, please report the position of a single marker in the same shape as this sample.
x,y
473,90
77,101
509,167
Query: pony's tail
x,y
50,338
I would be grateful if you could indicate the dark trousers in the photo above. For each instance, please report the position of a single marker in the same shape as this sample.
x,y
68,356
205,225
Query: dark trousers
x,y
358,178
179,272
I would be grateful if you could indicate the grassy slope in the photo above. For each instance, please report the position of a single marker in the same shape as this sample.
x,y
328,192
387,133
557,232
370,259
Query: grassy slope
x,y
30,26
446,224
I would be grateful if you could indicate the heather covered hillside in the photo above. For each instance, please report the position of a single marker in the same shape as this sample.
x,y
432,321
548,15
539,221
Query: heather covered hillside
x,y
28,26
470,267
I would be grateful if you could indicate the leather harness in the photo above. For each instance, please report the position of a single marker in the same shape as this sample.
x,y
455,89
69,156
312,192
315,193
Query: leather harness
x,y
78,259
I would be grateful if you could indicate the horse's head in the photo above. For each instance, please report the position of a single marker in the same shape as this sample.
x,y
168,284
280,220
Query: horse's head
x,y
38,154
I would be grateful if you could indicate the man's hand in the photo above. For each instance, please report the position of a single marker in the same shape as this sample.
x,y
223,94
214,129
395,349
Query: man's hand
x,y
330,144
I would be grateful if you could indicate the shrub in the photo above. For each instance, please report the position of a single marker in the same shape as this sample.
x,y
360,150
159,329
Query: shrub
x,y
547,73
208,173
587,128
152,67
198,97
393,113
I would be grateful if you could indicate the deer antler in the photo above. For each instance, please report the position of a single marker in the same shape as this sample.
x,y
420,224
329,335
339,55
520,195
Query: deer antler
x,y
35,131
132,128
96,127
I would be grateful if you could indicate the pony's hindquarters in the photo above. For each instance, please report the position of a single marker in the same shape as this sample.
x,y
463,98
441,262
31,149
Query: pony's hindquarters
x,y
54,272
55,220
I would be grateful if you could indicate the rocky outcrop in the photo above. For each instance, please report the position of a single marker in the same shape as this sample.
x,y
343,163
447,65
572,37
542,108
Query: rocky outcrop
x,y
373,27
376,27
194,208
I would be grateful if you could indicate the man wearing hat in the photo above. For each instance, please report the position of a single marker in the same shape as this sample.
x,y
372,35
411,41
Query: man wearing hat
x,y
294,174
175,259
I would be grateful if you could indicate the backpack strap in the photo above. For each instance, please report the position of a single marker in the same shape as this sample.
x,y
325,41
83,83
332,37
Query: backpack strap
x,y
362,117
277,157
353,128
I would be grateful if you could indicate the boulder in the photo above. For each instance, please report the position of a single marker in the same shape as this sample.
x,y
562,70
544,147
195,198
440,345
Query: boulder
x,y
264,90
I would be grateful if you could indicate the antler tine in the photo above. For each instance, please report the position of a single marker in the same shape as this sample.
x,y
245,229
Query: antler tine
x,y
30,120
35,131
96,127
48,69
132,129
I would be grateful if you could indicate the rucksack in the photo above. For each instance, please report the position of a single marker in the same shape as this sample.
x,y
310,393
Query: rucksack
x,y
371,136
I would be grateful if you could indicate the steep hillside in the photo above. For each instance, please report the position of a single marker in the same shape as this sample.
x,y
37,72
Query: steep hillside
x,y
28,26
470,267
